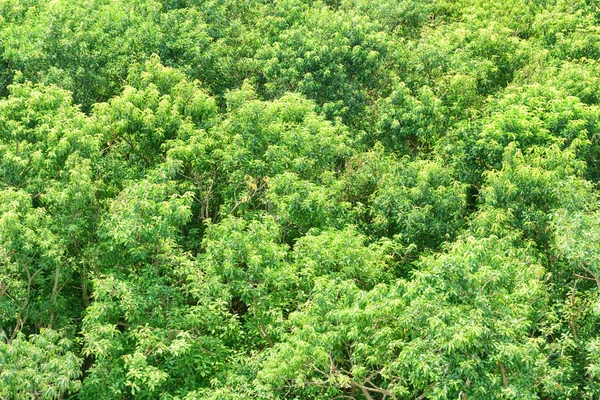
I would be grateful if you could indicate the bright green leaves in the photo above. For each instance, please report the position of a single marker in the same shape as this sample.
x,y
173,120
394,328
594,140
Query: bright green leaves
x,y
137,124
40,129
147,333
313,359
189,100
148,338
572,327
254,158
331,57
48,151
526,116
341,254
536,115
409,123
361,199
577,241
73,201
419,201
532,188
463,62
244,266
542,195
402,18
34,268
474,311
268,138
463,324
300,205
143,222
61,43
516,123
262,140
570,33
50,206
42,366
419,204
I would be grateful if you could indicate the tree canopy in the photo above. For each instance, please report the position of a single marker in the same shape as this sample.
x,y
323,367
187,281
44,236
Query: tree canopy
x,y
299,199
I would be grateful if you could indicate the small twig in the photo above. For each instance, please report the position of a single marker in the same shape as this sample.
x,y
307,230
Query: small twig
x,y
587,278
54,293
377,390
504,378
424,394
16,330
596,279
266,336
572,319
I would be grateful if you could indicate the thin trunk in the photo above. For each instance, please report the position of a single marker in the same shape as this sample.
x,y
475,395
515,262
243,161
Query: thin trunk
x,y
54,293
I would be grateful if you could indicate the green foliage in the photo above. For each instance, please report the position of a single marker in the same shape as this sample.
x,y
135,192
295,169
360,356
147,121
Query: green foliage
x,y
244,267
421,202
300,204
341,255
143,329
163,106
262,140
331,57
462,325
410,123
40,130
32,257
84,47
532,189
42,366
299,199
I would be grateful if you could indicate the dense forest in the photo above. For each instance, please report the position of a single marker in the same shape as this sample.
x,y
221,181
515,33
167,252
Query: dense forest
x,y
298,199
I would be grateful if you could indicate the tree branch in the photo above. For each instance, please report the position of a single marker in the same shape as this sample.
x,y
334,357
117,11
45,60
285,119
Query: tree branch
x,y
374,389
504,378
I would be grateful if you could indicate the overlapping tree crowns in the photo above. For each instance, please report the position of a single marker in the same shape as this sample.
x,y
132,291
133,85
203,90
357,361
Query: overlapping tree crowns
x,y
299,199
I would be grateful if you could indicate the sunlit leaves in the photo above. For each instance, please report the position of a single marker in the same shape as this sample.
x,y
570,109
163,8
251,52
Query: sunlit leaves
x,y
419,201
299,199
464,319
42,366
